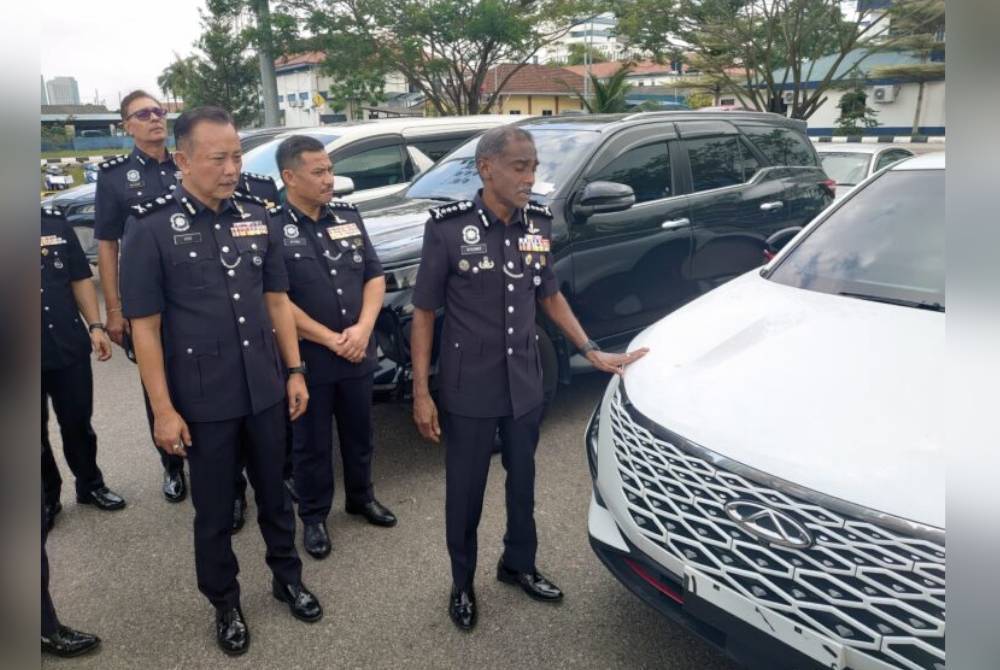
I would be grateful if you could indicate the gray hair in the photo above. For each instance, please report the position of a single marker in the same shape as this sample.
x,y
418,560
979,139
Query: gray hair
x,y
495,140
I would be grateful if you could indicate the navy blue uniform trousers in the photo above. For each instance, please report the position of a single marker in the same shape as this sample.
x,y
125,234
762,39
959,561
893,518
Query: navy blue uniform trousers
x,y
350,402
469,446
72,392
50,622
213,460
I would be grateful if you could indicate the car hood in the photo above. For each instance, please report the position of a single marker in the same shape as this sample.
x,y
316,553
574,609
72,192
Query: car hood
x,y
397,231
839,395
72,196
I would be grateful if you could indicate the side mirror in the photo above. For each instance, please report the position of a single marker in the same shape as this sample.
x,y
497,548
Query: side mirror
x,y
342,185
600,197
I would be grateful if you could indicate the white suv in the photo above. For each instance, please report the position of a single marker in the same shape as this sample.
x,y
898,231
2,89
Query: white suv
x,y
772,473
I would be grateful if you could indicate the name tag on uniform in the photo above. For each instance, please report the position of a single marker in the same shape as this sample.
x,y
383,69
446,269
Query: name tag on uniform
x,y
294,241
473,249
533,243
343,231
189,238
248,229
52,240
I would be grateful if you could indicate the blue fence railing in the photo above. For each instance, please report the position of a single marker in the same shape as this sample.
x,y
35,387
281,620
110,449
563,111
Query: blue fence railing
x,y
103,144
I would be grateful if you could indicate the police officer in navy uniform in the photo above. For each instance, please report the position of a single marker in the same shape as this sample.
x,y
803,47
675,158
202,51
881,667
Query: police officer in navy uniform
x,y
67,378
204,286
488,262
337,286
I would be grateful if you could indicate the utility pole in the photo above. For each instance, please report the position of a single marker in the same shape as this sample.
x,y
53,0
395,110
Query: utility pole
x,y
265,56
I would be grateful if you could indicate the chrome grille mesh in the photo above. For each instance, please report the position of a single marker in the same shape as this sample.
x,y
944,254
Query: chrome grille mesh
x,y
868,587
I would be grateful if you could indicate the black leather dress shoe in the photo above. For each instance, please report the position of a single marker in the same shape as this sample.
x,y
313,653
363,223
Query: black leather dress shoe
x,y
303,604
231,631
239,513
290,485
462,608
375,512
316,540
67,642
532,583
51,511
174,486
103,499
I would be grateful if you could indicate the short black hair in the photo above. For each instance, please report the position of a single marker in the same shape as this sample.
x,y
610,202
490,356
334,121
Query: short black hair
x,y
132,97
187,121
495,140
290,150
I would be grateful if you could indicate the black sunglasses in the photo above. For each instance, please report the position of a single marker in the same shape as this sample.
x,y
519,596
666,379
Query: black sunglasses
x,y
147,113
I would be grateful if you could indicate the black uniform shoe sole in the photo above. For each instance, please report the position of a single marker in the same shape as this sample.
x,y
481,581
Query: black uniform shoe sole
x,y
103,508
507,579
320,555
236,652
76,652
280,597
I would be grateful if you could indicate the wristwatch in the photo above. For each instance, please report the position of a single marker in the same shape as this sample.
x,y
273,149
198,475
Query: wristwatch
x,y
300,368
97,326
589,346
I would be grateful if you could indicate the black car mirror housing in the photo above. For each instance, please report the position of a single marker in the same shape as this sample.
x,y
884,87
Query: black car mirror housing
x,y
600,197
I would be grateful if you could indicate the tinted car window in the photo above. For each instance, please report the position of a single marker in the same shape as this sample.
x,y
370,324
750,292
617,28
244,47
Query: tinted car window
x,y
373,168
436,147
847,169
887,243
646,169
716,162
261,160
781,146
890,157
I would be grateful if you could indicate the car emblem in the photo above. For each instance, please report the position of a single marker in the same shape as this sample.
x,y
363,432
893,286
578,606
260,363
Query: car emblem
x,y
179,222
291,231
768,524
470,234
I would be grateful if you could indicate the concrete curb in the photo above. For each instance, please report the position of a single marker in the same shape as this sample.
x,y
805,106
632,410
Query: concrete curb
x,y
70,160
881,139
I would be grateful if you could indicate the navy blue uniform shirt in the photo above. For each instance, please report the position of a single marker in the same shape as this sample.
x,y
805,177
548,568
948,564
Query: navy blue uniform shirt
x,y
65,339
125,181
328,261
206,275
487,276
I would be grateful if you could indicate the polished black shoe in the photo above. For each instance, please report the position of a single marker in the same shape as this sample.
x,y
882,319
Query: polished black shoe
x,y
316,540
239,513
174,486
103,499
67,642
375,512
231,631
51,512
303,604
462,608
532,583
290,486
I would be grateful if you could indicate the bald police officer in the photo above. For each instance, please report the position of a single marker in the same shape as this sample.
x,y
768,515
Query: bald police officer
x,y
204,285
488,262
67,378
336,290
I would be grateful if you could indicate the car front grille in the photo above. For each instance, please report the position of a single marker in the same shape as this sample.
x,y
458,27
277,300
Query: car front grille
x,y
863,581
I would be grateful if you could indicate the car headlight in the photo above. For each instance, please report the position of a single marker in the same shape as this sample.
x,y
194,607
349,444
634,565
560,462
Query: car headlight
x,y
399,278
85,209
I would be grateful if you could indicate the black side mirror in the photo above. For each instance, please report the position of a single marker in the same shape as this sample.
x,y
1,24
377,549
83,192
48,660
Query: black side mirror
x,y
600,197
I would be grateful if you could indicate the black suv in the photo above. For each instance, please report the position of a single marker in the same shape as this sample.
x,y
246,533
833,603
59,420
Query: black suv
x,y
651,210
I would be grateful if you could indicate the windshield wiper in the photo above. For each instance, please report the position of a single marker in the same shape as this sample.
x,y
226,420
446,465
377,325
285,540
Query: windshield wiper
x,y
918,304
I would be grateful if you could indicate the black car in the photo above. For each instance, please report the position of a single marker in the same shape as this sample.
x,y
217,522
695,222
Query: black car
x,y
651,210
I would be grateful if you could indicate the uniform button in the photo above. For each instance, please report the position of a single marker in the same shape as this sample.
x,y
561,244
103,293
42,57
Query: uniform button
x,y
225,250
510,287
456,345
190,350
340,291
163,173
510,331
510,264
193,254
246,343
319,234
236,296
172,187
536,338
343,311
511,309
333,272
297,255
242,319
538,266
46,308
231,273
254,246
218,226
51,326
43,290
507,242
509,351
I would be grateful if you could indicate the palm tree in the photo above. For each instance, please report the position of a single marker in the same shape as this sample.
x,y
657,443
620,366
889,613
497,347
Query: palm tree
x,y
608,96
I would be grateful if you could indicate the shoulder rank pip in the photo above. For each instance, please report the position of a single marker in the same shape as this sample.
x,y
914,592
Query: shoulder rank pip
x,y
342,204
246,197
258,177
536,208
113,162
450,209
274,211
143,208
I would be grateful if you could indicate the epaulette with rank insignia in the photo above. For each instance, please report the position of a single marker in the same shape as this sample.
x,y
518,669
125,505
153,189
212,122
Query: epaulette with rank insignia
x,y
451,209
53,211
536,208
341,204
143,208
258,177
274,211
246,197
114,161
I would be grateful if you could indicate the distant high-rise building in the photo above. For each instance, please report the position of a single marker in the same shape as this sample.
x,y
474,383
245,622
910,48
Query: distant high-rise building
x,y
45,97
63,91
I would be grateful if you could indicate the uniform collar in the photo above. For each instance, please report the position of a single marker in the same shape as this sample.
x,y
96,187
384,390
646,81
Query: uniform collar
x,y
146,159
194,207
298,215
488,218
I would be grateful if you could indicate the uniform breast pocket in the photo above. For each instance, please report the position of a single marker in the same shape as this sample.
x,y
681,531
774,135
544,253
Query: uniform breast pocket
x,y
304,267
193,266
252,249
468,278
198,372
54,266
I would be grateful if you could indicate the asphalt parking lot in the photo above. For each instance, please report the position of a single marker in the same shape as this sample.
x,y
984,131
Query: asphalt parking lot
x,y
129,575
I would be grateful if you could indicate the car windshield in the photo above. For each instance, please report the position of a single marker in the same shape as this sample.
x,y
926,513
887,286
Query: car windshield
x,y
559,153
261,159
885,243
847,169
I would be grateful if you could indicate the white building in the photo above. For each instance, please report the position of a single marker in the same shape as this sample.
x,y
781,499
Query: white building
x,y
62,91
596,32
303,91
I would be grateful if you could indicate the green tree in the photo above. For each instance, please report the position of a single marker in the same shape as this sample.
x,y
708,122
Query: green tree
x,y
855,113
608,96
578,54
919,25
444,48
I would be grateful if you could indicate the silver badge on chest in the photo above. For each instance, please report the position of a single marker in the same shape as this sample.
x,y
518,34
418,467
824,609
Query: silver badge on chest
x,y
470,235
179,223
291,231
258,261
58,264
133,175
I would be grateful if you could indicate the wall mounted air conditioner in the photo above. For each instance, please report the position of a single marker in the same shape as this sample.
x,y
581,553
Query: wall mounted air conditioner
x,y
884,94
788,97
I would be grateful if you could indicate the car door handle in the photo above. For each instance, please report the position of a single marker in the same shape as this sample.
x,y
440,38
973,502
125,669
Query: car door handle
x,y
771,206
675,223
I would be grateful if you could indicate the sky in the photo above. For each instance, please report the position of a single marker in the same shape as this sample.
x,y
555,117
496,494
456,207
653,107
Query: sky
x,y
115,46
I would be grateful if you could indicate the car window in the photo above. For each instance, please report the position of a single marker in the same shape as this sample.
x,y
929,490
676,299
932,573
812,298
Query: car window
x,y
716,162
890,157
436,147
845,168
261,159
374,168
886,243
781,146
646,169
